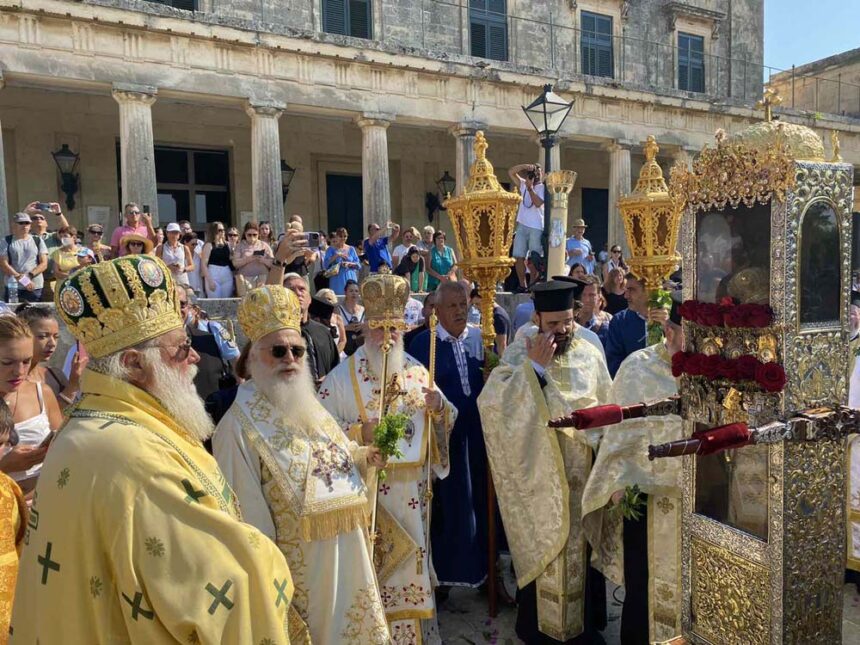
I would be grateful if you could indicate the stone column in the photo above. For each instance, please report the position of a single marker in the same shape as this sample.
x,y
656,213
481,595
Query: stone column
x,y
268,193
464,134
137,153
619,185
375,179
4,204
559,183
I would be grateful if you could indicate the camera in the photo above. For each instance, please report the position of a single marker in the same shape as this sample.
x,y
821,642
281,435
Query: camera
x,y
45,207
313,239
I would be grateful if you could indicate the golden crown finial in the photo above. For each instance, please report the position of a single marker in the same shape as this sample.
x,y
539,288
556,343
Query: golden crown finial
x,y
482,176
651,176
651,148
834,144
481,145
769,100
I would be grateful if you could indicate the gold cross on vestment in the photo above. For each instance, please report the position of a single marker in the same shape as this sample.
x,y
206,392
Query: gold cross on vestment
x,y
770,100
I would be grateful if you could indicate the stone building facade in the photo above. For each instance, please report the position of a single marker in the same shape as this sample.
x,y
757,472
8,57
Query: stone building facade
x,y
830,85
189,106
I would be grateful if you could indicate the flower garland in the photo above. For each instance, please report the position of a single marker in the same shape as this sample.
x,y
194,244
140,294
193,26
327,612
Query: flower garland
x,y
726,313
769,376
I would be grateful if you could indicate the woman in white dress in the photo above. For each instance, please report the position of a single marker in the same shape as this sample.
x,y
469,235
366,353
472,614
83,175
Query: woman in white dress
x,y
35,411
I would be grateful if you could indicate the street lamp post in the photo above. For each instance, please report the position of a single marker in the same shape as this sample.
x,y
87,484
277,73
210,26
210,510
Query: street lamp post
x,y
287,173
547,114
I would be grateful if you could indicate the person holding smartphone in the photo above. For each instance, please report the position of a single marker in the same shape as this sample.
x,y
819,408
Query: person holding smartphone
x,y
176,255
252,260
24,257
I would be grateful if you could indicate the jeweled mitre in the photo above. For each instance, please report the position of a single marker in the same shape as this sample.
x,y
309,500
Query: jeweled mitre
x,y
268,309
385,297
120,303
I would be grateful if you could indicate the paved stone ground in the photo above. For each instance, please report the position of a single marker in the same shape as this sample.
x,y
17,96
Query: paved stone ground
x,y
463,618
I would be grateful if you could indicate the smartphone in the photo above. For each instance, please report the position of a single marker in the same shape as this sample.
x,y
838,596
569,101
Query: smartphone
x,y
146,208
24,281
313,239
44,207
259,253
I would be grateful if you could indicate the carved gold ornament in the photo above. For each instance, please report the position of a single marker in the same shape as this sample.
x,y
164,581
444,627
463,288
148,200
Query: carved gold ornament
x,y
560,183
751,168
730,596
651,219
484,218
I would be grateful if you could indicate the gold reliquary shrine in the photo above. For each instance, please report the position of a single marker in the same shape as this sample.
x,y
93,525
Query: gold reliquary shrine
x,y
765,239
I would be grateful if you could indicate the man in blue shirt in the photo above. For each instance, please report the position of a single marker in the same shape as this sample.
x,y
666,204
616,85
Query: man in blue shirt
x,y
376,246
579,249
628,328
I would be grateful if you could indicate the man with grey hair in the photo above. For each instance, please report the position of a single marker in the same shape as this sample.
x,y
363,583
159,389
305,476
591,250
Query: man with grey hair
x,y
458,530
134,530
322,350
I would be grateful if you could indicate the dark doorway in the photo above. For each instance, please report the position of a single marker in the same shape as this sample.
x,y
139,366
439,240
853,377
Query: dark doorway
x,y
344,197
595,212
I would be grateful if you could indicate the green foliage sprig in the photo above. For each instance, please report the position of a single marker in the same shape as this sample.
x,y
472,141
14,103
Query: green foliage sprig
x,y
632,505
659,299
388,432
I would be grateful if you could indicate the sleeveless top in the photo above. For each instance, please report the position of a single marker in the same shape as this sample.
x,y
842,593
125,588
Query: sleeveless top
x,y
175,256
219,256
31,432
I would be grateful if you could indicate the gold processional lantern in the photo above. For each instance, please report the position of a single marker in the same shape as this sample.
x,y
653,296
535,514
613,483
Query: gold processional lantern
x,y
484,219
652,218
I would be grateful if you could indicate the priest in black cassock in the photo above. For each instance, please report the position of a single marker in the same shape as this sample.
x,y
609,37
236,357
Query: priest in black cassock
x,y
458,525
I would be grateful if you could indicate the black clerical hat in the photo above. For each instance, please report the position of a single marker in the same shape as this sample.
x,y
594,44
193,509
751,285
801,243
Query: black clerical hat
x,y
578,285
320,308
855,298
553,295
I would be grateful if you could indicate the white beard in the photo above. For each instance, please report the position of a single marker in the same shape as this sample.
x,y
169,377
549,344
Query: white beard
x,y
292,394
176,392
396,358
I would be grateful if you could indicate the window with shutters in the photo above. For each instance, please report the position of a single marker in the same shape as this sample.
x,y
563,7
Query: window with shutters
x,y
488,29
596,44
691,62
188,5
347,17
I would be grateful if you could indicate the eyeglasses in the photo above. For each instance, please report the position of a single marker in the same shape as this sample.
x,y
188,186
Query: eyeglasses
x,y
96,233
616,250
279,351
252,235
219,230
232,235
182,350
134,212
135,243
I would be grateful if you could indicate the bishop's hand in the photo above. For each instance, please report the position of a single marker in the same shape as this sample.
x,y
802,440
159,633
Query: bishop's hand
x,y
375,458
432,399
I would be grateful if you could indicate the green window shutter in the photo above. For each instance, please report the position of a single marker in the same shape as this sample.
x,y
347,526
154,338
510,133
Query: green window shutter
x,y
478,37
596,45
488,29
334,16
359,18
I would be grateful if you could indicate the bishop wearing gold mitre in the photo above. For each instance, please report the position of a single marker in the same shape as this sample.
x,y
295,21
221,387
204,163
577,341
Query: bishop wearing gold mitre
x,y
539,473
351,392
299,478
637,543
134,535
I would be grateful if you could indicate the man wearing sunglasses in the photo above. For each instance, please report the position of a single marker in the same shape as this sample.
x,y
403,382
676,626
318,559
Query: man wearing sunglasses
x,y
136,223
136,522
297,476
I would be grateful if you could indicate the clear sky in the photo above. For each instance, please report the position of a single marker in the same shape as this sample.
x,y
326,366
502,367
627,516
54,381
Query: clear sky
x,y
801,31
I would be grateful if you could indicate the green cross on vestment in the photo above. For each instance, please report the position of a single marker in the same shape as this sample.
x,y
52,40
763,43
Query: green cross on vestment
x,y
47,563
192,495
220,596
281,588
136,609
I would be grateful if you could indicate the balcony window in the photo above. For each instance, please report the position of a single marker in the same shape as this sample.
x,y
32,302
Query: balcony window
x,y
488,29
691,63
347,17
596,44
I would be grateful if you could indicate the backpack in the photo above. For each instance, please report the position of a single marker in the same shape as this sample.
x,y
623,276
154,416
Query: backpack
x,y
13,257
